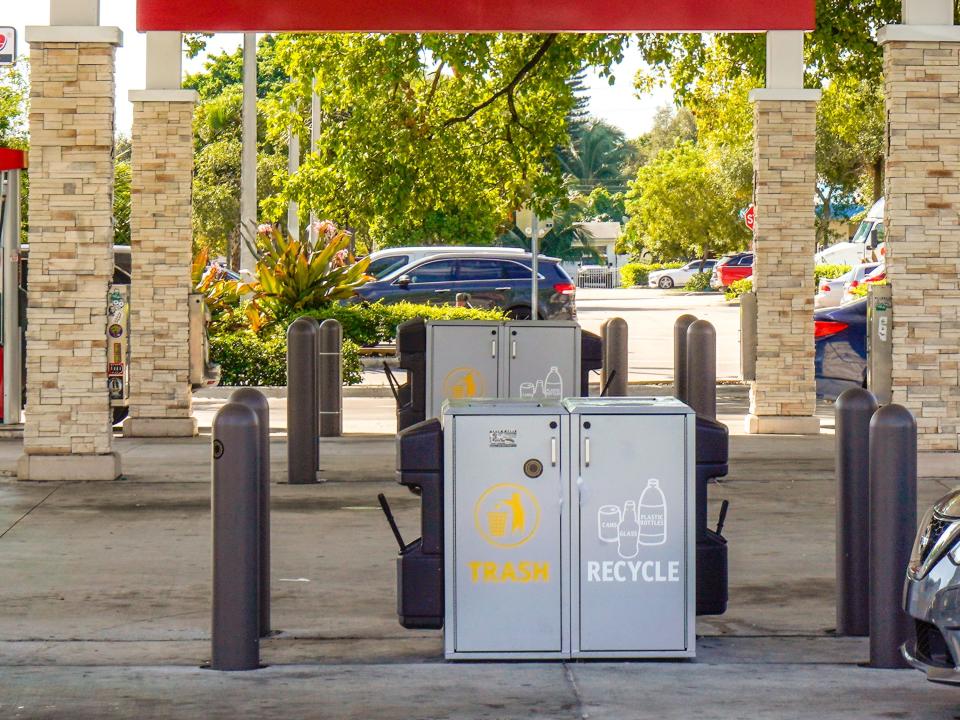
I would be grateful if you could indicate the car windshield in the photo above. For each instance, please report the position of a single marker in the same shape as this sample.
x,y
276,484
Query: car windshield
x,y
381,267
862,234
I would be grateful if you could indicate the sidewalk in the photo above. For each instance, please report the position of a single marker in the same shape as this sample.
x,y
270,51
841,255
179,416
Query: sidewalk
x,y
105,595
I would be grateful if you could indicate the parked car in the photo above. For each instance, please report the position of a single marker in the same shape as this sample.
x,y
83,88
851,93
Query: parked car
x,y
830,291
666,279
732,268
840,342
858,276
490,281
866,245
388,261
931,594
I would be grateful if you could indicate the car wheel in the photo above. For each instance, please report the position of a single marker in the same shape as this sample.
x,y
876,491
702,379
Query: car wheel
x,y
666,282
521,312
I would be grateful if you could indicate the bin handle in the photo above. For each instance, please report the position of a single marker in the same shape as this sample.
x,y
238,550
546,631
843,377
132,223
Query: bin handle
x,y
514,354
586,451
553,450
493,348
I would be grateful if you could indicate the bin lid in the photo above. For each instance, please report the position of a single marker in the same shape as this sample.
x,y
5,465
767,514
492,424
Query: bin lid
x,y
500,406
665,405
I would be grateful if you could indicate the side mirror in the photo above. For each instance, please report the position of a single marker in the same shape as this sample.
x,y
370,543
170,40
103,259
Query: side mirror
x,y
874,237
403,281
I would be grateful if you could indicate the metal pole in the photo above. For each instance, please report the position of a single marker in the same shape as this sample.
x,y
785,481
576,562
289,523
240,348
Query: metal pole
x,y
303,431
255,400
748,336
535,251
702,368
248,154
680,355
853,411
616,366
12,358
314,141
331,378
893,524
293,164
235,636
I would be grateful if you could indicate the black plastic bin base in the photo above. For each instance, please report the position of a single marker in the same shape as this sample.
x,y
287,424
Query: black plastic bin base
x,y
712,574
419,588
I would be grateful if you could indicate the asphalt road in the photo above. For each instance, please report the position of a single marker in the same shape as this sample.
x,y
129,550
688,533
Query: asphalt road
x,y
650,315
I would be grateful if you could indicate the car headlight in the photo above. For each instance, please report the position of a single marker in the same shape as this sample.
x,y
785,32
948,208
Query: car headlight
x,y
920,543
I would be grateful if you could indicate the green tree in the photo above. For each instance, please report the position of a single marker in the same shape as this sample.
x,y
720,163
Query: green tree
x,y
431,138
602,206
14,97
681,205
670,126
596,157
566,240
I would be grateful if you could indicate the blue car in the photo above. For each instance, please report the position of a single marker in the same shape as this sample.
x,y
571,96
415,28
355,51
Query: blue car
x,y
841,348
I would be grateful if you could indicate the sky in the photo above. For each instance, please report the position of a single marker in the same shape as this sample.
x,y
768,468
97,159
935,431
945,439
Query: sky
x,y
617,104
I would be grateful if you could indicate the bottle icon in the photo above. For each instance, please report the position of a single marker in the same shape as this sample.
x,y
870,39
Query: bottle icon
x,y
628,531
652,515
553,384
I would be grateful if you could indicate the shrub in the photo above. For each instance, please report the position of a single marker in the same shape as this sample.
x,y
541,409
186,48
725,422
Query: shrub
x,y
371,324
699,282
633,274
828,272
246,358
863,289
738,288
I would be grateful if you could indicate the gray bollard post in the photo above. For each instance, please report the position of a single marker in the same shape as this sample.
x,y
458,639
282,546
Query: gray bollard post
x,y
303,408
255,400
235,506
331,378
853,411
680,373
614,374
748,336
893,525
702,368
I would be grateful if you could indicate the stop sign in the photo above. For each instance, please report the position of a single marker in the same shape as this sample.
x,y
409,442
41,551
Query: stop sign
x,y
749,217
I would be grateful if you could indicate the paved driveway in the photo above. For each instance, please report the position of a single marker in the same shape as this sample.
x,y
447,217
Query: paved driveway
x,y
650,315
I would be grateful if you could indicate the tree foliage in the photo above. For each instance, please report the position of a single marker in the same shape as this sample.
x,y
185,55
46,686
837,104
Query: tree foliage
x,y
596,156
431,138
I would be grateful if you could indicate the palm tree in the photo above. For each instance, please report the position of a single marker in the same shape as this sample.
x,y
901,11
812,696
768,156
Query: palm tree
x,y
595,157
566,240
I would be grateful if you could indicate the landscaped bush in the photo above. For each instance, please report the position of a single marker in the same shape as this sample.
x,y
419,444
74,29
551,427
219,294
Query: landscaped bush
x,y
863,289
249,359
699,282
828,272
633,274
371,324
738,288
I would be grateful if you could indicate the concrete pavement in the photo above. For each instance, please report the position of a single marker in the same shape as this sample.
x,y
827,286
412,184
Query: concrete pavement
x,y
105,596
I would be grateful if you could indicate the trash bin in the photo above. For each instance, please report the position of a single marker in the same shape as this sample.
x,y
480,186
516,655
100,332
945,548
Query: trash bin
x,y
569,528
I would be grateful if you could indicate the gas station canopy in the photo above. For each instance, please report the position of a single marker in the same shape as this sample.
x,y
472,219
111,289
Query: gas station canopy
x,y
474,16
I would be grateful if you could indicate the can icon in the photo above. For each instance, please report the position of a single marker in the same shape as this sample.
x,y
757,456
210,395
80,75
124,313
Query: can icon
x,y
608,522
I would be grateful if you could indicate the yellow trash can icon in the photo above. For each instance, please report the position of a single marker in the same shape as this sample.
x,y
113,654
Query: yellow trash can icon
x,y
497,523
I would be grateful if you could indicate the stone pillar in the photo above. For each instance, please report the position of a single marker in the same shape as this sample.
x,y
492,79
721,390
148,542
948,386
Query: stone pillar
x,y
68,432
161,228
783,396
922,220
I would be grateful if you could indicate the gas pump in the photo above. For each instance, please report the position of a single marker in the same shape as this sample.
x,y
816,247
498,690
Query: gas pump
x,y
12,162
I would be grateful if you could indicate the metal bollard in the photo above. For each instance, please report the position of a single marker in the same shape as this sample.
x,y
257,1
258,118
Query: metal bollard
x,y
680,373
702,368
893,524
235,631
616,365
853,411
748,336
331,378
303,407
255,400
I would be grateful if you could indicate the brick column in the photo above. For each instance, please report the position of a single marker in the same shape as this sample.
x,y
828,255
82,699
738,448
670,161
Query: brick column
x,y
161,225
783,397
922,190
68,431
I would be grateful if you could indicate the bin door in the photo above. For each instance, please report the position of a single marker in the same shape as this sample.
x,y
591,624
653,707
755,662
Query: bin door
x,y
507,554
543,360
462,363
632,534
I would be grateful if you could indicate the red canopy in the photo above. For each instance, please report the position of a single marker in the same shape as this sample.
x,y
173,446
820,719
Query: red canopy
x,y
11,159
474,15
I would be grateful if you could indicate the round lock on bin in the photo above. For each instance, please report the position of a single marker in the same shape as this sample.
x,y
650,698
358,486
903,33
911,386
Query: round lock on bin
x,y
533,468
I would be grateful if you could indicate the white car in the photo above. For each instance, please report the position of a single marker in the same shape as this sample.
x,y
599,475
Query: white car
x,y
830,291
678,277
858,276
